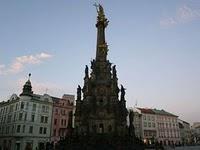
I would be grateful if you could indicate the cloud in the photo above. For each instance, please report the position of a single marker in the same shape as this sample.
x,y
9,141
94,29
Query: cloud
x,y
183,14
21,62
44,56
168,22
2,67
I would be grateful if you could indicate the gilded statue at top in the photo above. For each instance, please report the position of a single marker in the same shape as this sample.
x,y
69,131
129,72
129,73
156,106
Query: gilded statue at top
x,y
99,8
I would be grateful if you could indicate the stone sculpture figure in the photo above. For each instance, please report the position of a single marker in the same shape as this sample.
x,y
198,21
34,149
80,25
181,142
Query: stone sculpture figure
x,y
114,71
86,71
123,92
79,93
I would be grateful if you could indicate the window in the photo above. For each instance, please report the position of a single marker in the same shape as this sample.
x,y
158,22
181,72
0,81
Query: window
x,y
45,130
47,109
25,117
56,111
2,129
27,105
55,121
7,129
18,128
22,105
65,122
149,124
42,119
11,108
40,131
144,117
23,128
13,129
54,132
153,125
46,119
152,118
145,124
34,107
32,118
16,106
9,119
20,116
4,119
43,108
31,129
14,119
101,128
110,128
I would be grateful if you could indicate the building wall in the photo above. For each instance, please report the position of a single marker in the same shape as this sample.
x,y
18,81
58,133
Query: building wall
x,y
149,133
196,132
168,129
62,108
156,126
25,119
137,124
185,132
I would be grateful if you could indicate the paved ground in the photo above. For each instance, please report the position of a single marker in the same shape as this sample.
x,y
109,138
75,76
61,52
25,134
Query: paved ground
x,y
185,148
181,148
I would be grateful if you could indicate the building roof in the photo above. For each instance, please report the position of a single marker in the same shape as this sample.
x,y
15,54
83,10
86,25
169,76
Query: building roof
x,y
163,112
156,111
146,110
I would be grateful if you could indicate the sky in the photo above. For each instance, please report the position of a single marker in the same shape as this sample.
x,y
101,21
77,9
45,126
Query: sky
x,y
154,45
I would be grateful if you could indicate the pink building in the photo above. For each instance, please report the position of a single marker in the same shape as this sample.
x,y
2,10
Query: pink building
x,y
62,110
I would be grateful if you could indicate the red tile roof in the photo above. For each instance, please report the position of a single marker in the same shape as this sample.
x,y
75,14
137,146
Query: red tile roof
x,y
146,110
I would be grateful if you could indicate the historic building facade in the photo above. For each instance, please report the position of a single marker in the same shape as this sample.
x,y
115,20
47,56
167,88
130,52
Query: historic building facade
x,y
149,130
157,126
25,120
196,132
62,111
168,128
185,132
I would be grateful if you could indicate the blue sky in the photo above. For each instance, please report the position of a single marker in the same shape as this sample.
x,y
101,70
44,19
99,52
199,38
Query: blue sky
x,y
154,44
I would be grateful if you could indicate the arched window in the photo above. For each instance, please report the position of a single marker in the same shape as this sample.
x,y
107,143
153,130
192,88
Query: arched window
x,y
101,128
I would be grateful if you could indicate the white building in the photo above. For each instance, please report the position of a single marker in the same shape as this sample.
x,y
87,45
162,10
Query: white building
x,y
25,120
156,126
185,132
196,132
168,131
149,129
